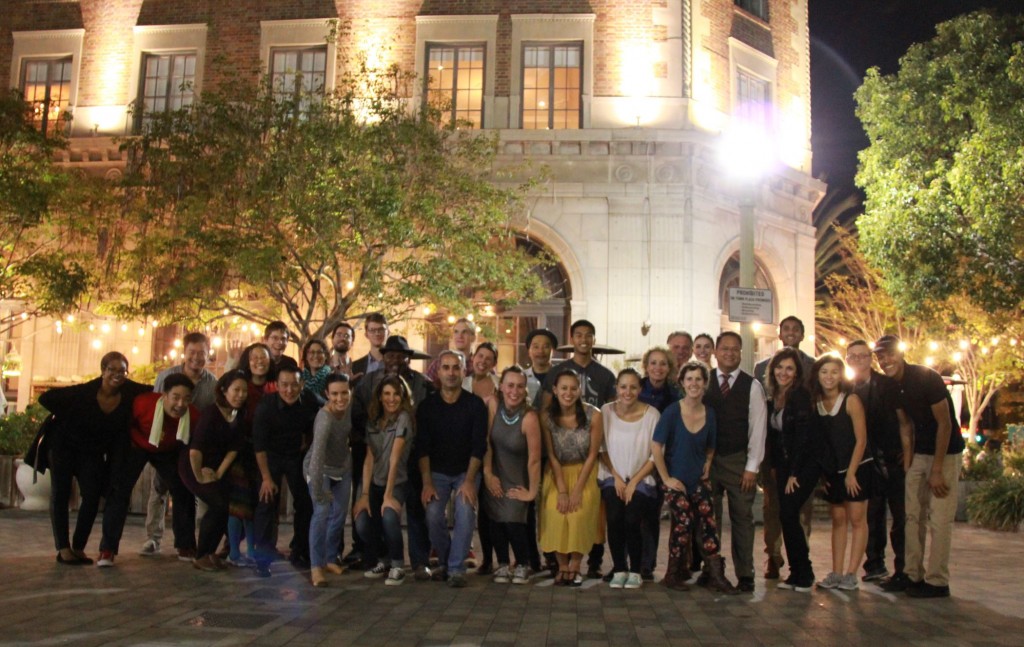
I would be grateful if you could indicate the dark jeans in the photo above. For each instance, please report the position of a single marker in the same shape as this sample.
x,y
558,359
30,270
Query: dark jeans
x,y
214,524
793,535
375,527
358,456
650,531
626,522
88,468
416,518
503,534
265,522
890,493
126,467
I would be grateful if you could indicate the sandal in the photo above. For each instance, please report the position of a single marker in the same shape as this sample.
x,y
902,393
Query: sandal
x,y
576,580
562,579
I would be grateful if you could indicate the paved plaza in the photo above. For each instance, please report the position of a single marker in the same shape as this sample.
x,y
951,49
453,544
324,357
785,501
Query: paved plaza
x,y
160,601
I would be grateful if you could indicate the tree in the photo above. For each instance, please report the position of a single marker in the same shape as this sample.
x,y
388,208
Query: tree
x,y
944,172
249,203
45,223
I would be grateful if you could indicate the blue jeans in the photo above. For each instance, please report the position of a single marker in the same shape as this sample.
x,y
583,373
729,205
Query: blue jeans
x,y
451,550
328,521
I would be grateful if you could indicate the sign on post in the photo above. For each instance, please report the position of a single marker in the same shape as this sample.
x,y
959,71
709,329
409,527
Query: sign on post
x,y
747,305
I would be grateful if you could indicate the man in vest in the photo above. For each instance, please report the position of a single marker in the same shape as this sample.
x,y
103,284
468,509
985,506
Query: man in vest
x,y
739,404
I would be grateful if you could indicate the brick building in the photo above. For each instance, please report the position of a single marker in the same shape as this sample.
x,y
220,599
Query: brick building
x,y
625,101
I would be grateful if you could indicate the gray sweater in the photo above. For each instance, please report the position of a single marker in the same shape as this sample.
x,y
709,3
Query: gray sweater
x,y
329,455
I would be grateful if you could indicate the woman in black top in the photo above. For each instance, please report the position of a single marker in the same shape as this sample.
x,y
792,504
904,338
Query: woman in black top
x,y
92,424
793,459
847,465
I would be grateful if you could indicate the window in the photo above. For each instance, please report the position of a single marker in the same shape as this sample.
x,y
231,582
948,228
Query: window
x,y
46,85
167,83
552,85
298,71
753,99
758,8
455,81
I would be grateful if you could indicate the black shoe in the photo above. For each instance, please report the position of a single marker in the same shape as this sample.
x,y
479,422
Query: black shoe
x,y
926,590
594,573
746,585
608,577
299,560
875,574
895,584
647,576
353,557
703,579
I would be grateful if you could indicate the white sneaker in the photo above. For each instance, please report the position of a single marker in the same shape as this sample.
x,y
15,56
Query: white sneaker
x,y
395,577
848,582
633,581
106,559
150,548
521,575
501,575
377,572
619,580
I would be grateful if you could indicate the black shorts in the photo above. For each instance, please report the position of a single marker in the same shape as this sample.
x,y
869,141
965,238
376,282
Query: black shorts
x,y
866,478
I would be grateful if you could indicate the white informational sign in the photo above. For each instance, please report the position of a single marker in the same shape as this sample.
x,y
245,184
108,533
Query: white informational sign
x,y
747,305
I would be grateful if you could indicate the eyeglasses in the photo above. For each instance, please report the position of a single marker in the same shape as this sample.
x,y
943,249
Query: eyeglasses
x,y
376,331
858,356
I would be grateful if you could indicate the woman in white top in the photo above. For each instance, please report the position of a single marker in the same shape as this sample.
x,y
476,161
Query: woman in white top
x,y
625,476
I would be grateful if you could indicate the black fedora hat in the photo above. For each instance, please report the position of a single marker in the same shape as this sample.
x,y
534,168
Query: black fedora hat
x,y
398,344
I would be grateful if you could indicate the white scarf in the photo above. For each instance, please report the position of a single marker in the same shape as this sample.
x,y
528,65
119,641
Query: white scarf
x,y
157,430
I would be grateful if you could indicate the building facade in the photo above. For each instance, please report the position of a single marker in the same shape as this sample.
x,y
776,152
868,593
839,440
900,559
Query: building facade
x,y
625,103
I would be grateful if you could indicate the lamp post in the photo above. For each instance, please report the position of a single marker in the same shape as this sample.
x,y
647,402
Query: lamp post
x,y
747,154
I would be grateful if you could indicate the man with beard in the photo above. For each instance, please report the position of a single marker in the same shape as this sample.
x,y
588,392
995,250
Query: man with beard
x,y
341,338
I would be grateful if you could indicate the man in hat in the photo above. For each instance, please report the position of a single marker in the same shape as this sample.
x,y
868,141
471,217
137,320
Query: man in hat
x,y
540,344
396,355
932,470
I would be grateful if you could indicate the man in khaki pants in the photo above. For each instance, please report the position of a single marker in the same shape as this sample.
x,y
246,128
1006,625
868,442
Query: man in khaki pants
x,y
933,468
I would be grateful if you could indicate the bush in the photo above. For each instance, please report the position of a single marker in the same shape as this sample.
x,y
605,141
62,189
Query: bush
x,y
18,430
980,464
998,504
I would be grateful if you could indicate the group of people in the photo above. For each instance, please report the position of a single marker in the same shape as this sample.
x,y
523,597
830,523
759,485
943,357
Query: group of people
x,y
547,463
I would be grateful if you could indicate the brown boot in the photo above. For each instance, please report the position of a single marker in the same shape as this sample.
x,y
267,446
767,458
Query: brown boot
x,y
714,567
676,575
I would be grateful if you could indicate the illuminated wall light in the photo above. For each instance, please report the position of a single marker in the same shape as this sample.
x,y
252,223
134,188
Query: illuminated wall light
x,y
91,327
173,354
97,344
217,342
124,327
176,343
105,328
154,323
70,318
142,332
135,350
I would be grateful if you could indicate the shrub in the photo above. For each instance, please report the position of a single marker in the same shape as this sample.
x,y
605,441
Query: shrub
x,y
18,430
998,504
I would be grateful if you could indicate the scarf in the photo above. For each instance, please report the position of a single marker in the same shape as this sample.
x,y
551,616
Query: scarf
x,y
157,430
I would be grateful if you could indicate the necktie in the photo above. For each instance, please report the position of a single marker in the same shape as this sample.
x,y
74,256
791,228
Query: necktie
x,y
725,384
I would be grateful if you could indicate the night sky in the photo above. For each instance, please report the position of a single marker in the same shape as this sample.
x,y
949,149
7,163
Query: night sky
x,y
848,37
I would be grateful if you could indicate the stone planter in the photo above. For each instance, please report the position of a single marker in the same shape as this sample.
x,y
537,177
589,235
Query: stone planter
x,y
35,496
963,490
8,490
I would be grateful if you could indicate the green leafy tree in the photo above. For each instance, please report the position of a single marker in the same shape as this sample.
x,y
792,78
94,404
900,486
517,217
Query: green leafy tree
x,y
48,233
253,203
944,173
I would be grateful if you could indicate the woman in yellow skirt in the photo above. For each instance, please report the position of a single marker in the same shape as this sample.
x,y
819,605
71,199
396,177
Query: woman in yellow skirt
x,y
570,520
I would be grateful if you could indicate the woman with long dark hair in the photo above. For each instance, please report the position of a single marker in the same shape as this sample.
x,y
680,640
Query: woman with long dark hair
x,y
573,432
793,458
390,431
91,423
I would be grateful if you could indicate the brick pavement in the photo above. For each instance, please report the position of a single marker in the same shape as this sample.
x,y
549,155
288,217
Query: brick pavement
x,y
160,601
